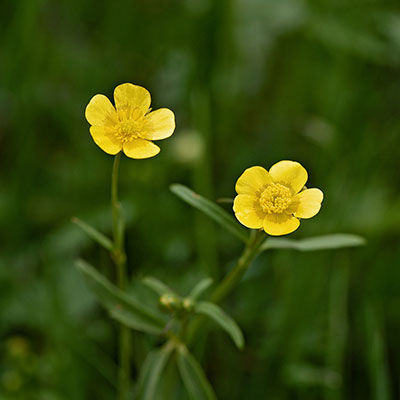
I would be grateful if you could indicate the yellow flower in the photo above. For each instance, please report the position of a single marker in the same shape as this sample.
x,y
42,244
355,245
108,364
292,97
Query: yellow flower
x,y
274,200
129,126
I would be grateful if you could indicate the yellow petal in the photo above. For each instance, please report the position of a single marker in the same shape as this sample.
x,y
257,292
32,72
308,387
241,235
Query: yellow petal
x,y
248,211
159,124
104,137
308,203
140,148
129,96
100,111
289,173
280,224
253,181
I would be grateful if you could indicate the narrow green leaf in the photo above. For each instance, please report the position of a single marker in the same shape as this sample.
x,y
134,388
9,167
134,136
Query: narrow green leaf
x,y
157,286
145,371
200,288
151,372
193,377
217,314
377,354
226,200
211,209
115,300
333,241
134,321
94,234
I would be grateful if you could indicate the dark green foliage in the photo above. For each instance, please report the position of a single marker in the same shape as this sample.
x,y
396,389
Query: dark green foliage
x,y
251,82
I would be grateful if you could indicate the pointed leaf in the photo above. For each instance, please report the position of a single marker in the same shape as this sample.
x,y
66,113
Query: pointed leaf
x,y
193,377
151,372
134,321
211,209
333,241
114,299
217,314
157,286
200,288
144,374
94,234
227,200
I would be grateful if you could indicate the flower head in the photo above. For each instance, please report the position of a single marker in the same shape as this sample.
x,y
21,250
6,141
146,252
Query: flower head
x,y
275,200
129,126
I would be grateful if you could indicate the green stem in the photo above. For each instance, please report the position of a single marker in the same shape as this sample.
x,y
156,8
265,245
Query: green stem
x,y
183,328
231,280
119,258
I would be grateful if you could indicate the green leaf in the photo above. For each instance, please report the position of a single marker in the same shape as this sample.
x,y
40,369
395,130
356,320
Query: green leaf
x,y
193,377
145,371
200,288
211,209
226,200
217,314
117,301
151,372
157,286
134,321
334,241
94,234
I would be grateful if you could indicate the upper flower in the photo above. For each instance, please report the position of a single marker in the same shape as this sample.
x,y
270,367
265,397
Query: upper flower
x,y
129,126
274,200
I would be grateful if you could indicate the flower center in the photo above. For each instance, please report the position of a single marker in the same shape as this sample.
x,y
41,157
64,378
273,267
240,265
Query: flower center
x,y
127,131
276,198
129,126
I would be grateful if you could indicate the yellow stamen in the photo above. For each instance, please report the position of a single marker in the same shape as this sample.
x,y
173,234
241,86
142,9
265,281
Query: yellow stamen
x,y
130,125
276,198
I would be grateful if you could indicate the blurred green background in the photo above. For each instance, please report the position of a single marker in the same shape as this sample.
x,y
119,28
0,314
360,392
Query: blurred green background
x,y
251,82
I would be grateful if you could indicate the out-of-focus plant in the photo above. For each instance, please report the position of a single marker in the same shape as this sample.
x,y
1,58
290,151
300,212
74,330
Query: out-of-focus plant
x,y
270,203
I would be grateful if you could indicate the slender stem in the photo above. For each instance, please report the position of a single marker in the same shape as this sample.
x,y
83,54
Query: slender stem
x,y
231,280
183,328
119,257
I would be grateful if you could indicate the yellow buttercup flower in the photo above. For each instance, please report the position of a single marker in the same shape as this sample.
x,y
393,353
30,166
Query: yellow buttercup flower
x,y
129,126
274,200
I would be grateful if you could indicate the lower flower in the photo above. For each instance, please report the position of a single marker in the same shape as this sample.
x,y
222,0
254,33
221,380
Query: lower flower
x,y
275,200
